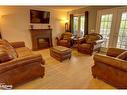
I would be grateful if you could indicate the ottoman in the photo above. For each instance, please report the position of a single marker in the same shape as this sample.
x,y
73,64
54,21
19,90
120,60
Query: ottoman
x,y
60,53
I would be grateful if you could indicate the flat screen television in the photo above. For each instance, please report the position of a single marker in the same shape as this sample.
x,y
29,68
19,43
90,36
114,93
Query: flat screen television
x,y
39,16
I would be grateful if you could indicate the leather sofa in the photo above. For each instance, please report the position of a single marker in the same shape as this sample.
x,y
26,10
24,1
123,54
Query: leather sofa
x,y
25,67
91,42
65,39
111,69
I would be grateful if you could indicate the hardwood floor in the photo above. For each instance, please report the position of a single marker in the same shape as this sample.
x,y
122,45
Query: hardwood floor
x,y
69,74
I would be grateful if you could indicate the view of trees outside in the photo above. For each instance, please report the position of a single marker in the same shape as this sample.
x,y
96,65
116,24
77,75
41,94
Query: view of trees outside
x,y
122,36
105,27
82,25
79,20
75,26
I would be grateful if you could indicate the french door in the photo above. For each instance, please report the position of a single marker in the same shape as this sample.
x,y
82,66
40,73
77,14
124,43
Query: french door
x,y
112,25
121,35
78,25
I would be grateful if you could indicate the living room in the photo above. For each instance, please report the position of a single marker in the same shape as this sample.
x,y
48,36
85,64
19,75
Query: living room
x,y
41,58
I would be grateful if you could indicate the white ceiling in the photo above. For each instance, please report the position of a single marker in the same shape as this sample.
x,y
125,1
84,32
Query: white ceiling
x,y
67,8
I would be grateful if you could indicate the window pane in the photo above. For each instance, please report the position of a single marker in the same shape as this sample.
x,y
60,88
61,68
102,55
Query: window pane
x,y
75,25
105,27
122,36
82,24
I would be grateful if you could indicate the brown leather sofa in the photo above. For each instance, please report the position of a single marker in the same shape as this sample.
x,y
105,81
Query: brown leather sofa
x,y
111,69
65,39
91,42
25,67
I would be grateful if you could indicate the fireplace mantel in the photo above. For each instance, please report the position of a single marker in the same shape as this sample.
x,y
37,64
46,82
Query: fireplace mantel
x,y
37,34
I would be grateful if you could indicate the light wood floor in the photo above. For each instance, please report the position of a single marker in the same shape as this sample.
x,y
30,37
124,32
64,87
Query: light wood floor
x,y
69,74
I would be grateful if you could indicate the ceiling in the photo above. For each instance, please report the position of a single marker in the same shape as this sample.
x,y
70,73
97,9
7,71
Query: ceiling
x,y
67,8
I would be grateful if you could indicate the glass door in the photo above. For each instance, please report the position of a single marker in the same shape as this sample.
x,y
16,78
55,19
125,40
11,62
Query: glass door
x,y
112,25
82,25
104,26
78,25
121,37
75,25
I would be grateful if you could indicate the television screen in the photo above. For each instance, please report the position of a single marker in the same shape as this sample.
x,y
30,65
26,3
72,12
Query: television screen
x,y
39,16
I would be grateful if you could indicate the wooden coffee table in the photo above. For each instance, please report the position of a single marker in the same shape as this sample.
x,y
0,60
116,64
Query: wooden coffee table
x,y
60,53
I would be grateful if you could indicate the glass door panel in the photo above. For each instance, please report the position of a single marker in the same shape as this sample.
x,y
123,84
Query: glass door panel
x,y
75,25
105,28
122,35
82,22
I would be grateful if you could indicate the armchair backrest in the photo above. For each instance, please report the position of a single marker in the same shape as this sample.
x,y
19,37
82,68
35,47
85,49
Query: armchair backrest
x,y
114,52
93,37
66,35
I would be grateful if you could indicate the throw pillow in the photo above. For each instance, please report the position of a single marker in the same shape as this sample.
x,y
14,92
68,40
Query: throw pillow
x,y
8,48
4,56
122,56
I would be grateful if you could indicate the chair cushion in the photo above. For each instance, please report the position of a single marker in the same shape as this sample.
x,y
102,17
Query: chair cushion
x,y
6,46
4,56
122,56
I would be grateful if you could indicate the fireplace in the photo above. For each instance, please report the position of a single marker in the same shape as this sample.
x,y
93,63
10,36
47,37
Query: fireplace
x,y
41,38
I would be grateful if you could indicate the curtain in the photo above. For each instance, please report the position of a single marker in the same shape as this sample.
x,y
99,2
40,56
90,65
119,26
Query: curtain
x,y
71,23
86,23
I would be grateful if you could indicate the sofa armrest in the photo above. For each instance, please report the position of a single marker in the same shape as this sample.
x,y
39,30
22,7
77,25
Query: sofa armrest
x,y
98,41
21,62
114,52
115,62
17,44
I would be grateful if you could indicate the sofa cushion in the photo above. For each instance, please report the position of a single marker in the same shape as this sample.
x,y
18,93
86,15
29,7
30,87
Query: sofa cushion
x,y
23,51
122,56
4,56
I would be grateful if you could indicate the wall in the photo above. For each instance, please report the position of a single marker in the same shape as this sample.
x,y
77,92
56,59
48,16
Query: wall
x,y
15,23
92,15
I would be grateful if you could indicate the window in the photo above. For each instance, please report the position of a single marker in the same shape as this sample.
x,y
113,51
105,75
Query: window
x,y
105,28
75,26
112,25
122,36
78,25
82,25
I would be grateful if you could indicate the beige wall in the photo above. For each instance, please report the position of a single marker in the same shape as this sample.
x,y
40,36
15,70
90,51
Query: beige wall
x,y
92,15
15,23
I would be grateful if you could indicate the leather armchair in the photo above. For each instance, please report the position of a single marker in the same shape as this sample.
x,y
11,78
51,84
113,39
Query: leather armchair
x,y
91,42
111,69
65,39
